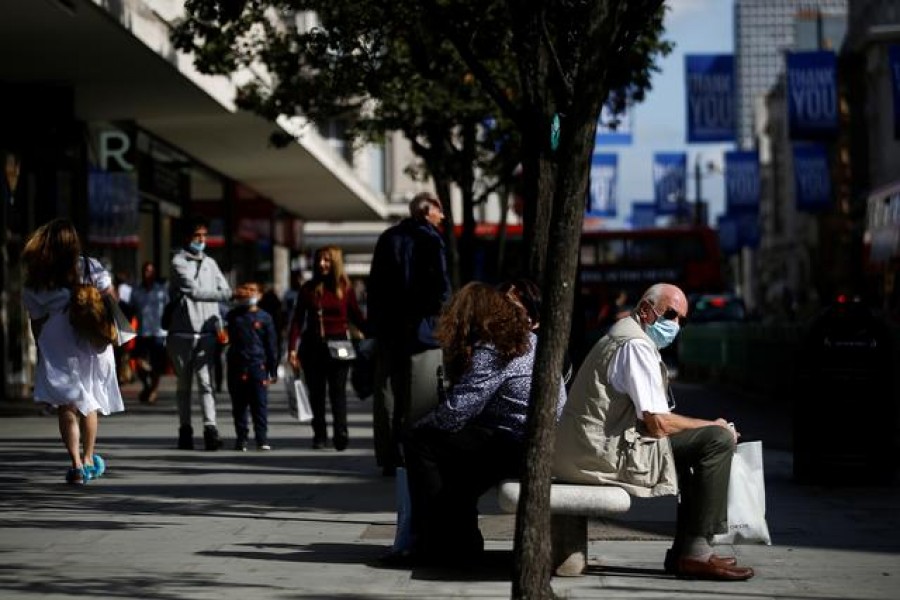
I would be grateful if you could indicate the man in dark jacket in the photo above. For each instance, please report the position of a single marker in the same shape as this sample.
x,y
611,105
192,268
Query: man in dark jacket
x,y
408,285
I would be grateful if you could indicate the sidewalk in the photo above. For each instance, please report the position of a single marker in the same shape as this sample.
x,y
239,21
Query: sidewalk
x,y
297,523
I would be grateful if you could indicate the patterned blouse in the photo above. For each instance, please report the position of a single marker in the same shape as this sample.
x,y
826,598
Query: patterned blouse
x,y
491,393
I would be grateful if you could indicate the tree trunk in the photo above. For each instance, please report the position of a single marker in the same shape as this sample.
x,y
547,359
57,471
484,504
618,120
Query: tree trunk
x,y
466,179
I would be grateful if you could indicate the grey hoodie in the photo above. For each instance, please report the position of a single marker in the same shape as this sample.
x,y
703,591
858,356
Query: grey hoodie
x,y
198,286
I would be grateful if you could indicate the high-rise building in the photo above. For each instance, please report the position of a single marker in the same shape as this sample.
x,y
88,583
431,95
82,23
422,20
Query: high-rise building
x,y
763,31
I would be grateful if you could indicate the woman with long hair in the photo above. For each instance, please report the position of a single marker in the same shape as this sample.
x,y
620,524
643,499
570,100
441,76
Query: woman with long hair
x,y
325,307
475,437
74,374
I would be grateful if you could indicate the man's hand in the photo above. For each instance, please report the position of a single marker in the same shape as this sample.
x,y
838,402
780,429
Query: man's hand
x,y
729,426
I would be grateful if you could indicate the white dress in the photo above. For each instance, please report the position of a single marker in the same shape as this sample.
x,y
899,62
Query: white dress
x,y
69,369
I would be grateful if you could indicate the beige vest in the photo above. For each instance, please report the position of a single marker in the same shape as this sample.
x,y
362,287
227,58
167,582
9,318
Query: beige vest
x,y
600,440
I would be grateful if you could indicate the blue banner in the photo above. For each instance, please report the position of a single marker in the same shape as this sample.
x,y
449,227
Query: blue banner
x,y
741,182
669,174
602,191
812,95
614,130
709,81
894,62
812,177
748,232
643,215
728,235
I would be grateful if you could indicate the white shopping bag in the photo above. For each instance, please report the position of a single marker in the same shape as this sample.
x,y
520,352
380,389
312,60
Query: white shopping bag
x,y
298,398
746,498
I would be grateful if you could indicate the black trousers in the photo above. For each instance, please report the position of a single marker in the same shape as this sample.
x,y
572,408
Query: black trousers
x,y
325,375
448,472
703,461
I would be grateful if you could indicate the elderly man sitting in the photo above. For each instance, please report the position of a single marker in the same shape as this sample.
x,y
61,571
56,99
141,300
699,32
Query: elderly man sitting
x,y
618,428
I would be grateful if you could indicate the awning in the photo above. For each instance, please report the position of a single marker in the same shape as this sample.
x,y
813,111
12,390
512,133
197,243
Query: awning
x,y
121,65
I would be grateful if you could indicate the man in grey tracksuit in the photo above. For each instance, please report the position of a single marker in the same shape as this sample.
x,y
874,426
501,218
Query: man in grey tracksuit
x,y
196,286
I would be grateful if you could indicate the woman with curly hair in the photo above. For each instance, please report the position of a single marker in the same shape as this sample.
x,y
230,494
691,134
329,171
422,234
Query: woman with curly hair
x,y
326,306
74,373
475,437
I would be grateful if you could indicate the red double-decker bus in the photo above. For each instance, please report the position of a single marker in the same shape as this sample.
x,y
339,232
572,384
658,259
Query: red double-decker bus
x,y
616,261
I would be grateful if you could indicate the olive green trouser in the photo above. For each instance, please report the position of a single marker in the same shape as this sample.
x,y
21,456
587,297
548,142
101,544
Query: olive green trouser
x,y
703,461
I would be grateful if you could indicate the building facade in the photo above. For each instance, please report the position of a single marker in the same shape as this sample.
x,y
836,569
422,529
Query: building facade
x,y
763,31
104,122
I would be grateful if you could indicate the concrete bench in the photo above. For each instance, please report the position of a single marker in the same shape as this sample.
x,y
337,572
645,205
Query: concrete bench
x,y
571,506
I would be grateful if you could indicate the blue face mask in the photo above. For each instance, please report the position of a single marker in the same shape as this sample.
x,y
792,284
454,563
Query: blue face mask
x,y
663,332
197,247
252,301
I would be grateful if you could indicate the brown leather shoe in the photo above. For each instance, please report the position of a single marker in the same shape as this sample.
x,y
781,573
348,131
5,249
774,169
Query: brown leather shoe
x,y
670,566
696,569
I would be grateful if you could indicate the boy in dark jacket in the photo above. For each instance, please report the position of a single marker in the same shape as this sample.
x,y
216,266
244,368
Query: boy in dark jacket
x,y
252,360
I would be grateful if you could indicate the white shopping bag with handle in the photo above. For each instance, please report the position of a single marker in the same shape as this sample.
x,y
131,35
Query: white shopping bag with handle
x,y
746,498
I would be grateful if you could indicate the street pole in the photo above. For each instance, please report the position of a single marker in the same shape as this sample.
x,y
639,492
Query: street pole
x,y
698,177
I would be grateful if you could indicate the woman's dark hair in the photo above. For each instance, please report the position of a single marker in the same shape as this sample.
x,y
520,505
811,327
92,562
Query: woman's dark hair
x,y
480,314
529,294
51,256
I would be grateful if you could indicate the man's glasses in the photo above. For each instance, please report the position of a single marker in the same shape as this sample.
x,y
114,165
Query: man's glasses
x,y
670,315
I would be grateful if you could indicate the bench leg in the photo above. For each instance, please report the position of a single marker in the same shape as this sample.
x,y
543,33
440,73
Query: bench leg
x,y
569,535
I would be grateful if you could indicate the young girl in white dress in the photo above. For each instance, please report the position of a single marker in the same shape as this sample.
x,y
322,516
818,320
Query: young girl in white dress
x,y
72,374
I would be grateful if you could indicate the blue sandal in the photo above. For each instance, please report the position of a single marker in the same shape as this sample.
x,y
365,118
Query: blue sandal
x,y
97,469
77,476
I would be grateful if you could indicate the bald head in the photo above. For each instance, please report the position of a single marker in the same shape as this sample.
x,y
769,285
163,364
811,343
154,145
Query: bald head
x,y
660,298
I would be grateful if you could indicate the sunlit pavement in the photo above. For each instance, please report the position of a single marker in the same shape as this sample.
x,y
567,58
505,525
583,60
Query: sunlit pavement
x,y
299,523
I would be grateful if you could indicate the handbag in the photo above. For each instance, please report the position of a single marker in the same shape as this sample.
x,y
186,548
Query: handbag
x,y
746,498
97,317
89,317
341,349
298,398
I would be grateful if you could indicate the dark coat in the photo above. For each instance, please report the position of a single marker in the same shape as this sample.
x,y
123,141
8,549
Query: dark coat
x,y
408,285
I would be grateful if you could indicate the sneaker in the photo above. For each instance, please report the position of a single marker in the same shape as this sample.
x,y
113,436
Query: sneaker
x,y
264,447
318,444
240,445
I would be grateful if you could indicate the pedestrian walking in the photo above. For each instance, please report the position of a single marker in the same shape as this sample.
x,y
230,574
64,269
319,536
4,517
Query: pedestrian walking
x,y
74,374
149,299
408,286
319,342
